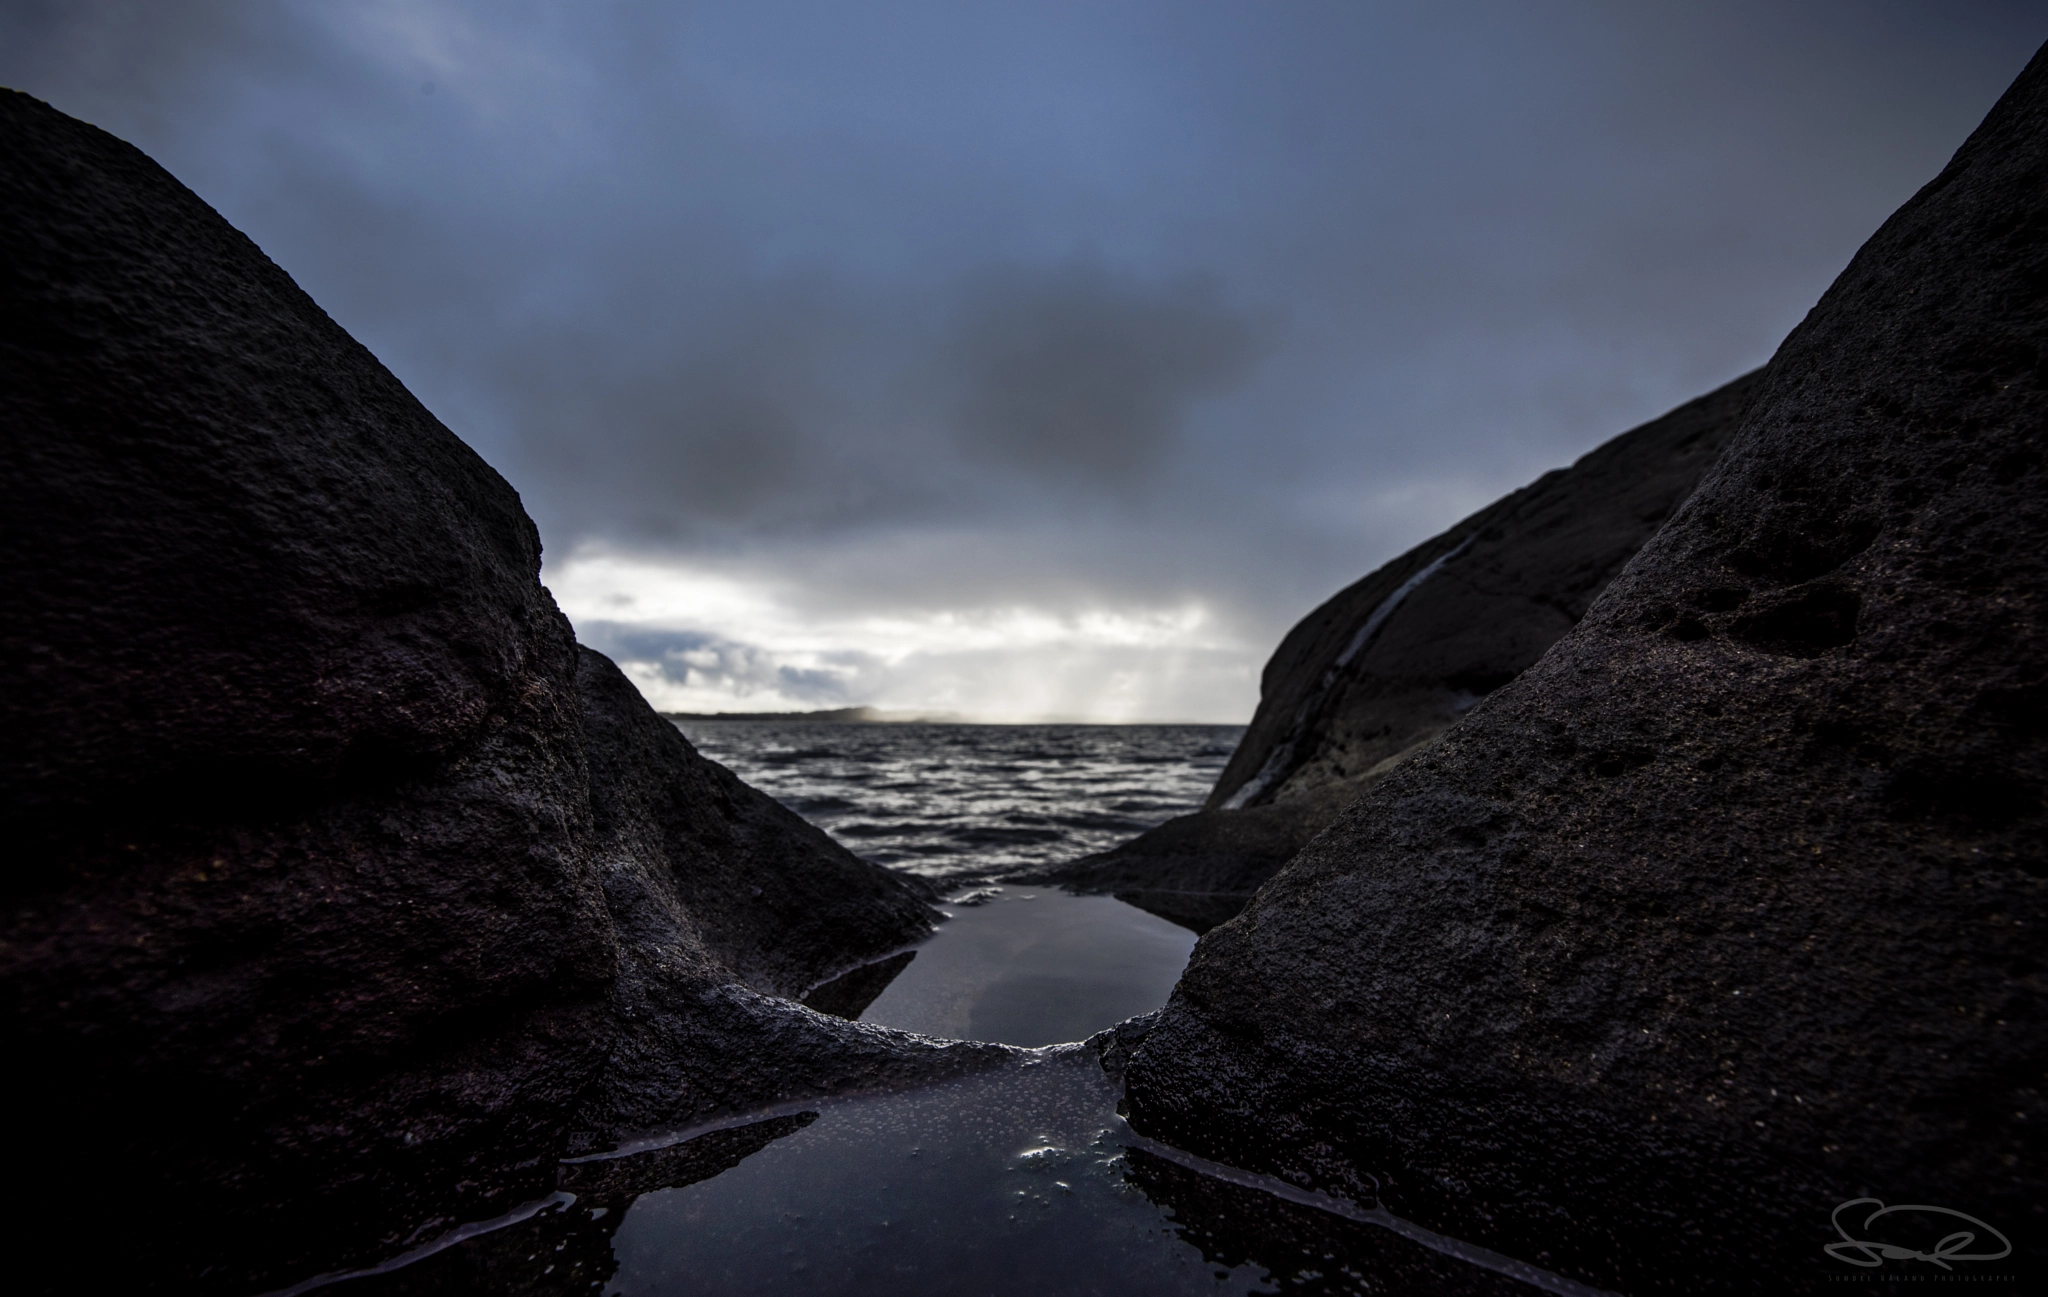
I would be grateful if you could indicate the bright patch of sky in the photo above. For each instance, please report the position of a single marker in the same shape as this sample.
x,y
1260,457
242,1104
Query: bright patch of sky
x,y
696,640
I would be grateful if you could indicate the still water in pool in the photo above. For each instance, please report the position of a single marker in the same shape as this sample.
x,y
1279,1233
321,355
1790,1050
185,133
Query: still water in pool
x,y
1034,966
1017,1182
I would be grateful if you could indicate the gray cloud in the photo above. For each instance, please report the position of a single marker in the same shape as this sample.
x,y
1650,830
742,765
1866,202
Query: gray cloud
x,y
696,660
808,404
1076,374
671,429
917,306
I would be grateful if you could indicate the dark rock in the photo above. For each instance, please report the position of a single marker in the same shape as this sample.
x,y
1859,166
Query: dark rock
x,y
1198,870
1113,1046
576,1238
1196,911
619,1180
687,847
1305,1252
1731,908
344,893
1397,658
849,994
1380,670
722,900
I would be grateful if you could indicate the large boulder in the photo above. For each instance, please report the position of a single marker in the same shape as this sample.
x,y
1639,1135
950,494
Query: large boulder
x,y
1731,909
1386,665
344,894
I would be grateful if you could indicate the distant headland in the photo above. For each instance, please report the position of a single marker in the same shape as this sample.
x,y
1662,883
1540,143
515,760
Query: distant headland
x,y
829,716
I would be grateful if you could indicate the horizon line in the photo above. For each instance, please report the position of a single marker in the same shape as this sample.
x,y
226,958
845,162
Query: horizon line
x,y
865,715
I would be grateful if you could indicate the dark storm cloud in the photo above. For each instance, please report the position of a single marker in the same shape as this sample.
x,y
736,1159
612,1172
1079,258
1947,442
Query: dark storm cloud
x,y
670,427
1080,375
930,307
807,403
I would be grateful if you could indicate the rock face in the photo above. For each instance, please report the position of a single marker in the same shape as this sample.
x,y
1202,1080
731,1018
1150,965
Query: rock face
x,y
1731,908
1385,666
345,892
694,838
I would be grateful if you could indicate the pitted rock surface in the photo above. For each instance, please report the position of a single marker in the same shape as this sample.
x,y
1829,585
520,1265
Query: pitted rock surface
x,y
346,892
1731,908
1382,668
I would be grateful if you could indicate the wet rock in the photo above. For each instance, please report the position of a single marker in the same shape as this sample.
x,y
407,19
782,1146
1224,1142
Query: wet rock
x,y
344,891
1730,909
849,994
1375,674
567,1247
1306,1253
1113,1045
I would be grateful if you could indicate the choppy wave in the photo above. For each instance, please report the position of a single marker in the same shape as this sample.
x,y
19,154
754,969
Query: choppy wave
x,y
950,801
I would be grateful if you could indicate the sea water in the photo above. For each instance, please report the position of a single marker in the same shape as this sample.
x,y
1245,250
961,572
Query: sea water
x,y
963,801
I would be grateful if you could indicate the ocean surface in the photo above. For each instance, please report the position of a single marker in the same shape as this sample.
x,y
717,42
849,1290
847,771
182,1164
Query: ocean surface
x,y
958,802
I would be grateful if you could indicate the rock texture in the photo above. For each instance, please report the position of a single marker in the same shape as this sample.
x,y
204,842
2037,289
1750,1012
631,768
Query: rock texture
x,y
1385,666
783,930
1731,908
345,893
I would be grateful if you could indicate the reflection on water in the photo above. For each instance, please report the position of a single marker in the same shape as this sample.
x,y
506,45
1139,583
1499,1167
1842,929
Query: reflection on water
x,y
1015,1182
1032,966
948,801
1311,1252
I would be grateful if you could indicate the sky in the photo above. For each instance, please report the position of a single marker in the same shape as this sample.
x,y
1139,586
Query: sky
x,y
1026,360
